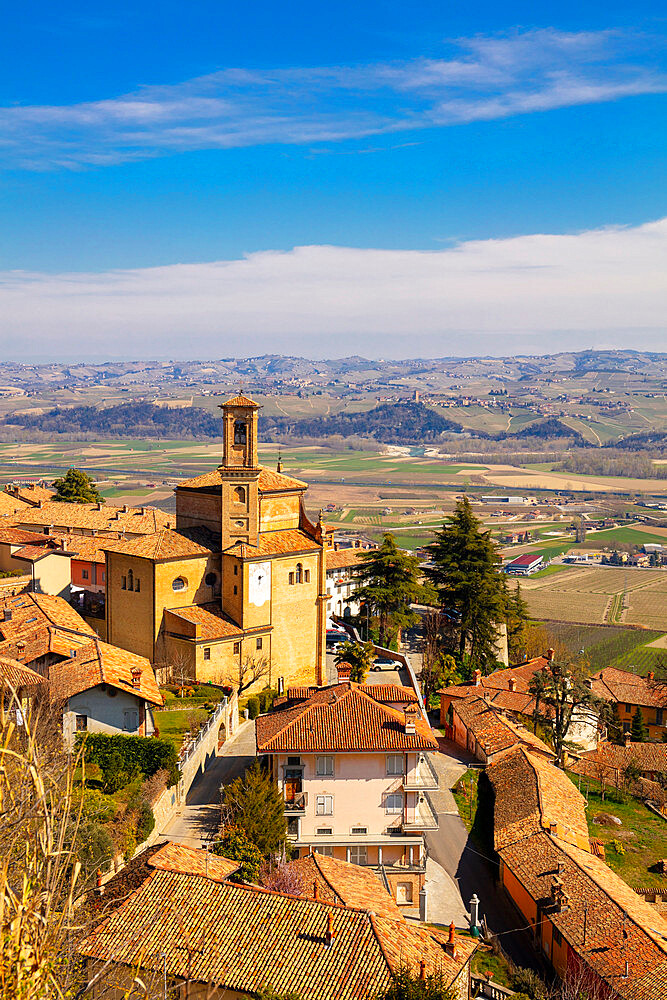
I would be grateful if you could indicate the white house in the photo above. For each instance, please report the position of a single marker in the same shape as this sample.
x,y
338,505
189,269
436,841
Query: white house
x,y
355,774
341,581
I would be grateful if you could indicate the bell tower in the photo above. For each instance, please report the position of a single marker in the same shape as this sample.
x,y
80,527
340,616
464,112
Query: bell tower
x,y
239,472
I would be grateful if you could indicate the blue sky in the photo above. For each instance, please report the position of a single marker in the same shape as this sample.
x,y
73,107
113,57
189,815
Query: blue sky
x,y
138,138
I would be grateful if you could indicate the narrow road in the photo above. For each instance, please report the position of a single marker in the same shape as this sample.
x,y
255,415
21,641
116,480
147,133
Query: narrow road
x,y
200,817
471,870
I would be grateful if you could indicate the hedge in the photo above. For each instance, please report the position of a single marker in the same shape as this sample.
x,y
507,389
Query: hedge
x,y
138,754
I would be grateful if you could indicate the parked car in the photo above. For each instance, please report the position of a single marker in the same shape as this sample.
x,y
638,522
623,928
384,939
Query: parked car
x,y
383,663
335,636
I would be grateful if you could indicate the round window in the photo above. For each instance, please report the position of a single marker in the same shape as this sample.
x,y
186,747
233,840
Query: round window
x,y
179,583
210,579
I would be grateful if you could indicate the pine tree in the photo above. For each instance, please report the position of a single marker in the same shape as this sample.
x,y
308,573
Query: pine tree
x,y
390,583
76,486
465,575
639,731
254,803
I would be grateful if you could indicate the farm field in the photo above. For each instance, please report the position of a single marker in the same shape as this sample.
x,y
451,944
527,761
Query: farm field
x,y
600,595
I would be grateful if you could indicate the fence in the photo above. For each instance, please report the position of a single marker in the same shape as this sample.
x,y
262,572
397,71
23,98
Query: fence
x,y
483,987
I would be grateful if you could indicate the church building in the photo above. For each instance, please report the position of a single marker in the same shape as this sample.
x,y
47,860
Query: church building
x,y
238,587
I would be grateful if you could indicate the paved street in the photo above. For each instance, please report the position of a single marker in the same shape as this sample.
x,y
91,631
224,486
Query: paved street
x,y
200,817
472,872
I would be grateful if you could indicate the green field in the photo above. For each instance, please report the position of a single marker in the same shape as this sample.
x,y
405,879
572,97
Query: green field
x,y
628,535
614,646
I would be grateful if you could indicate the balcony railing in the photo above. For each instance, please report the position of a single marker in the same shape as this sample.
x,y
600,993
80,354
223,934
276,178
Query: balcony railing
x,y
296,804
423,777
425,817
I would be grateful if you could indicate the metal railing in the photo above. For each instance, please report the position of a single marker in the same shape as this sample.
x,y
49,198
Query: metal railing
x,y
297,803
191,745
424,776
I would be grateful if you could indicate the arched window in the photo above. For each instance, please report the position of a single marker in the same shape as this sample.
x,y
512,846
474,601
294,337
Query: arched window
x,y
130,580
299,573
179,583
239,494
240,432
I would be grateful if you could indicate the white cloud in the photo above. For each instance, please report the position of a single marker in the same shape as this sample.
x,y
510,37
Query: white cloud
x,y
480,78
536,293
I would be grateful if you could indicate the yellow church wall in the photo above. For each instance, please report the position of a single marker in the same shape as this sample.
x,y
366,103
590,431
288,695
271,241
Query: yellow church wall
x,y
232,577
195,508
130,622
279,512
294,620
225,656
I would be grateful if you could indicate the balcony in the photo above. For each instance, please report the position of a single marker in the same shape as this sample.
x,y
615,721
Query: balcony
x,y
424,818
424,777
296,804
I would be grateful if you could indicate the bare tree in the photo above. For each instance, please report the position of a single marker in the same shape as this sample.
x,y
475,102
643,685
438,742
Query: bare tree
x,y
249,671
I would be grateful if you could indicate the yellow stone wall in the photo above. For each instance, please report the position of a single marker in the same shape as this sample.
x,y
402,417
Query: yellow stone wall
x,y
232,576
130,615
279,512
222,667
195,509
294,620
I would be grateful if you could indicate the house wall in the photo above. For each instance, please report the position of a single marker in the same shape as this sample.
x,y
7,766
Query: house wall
x,y
341,596
95,580
359,786
650,716
520,896
198,508
105,707
51,575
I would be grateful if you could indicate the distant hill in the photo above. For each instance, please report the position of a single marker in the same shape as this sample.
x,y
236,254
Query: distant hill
x,y
388,423
130,420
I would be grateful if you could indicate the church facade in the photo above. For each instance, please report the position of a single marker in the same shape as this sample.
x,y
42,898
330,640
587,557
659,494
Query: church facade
x,y
238,588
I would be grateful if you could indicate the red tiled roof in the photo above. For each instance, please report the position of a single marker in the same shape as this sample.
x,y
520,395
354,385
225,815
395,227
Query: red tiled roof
x,y
531,794
647,756
492,731
342,882
343,558
213,624
241,400
341,718
33,553
269,481
18,675
39,624
17,536
619,925
166,544
191,861
270,543
243,938
625,687
99,663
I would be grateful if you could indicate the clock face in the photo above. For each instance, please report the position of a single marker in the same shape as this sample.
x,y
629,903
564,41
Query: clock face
x,y
260,584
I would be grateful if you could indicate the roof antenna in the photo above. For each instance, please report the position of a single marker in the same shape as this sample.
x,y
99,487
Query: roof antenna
x,y
279,465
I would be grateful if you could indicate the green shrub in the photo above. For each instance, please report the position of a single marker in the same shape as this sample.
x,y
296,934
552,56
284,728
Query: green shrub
x,y
122,758
235,845
528,982
253,707
145,821
266,698
94,846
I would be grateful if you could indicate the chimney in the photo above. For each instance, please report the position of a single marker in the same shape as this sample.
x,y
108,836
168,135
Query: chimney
x,y
125,508
7,615
650,676
450,947
279,463
422,970
343,670
512,683
627,739
136,677
99,505
329,937
550,654
410,715
39,503
477,677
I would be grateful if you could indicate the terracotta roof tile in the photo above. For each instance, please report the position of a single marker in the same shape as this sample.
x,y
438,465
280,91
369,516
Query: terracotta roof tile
x,y
213,624
32,630
241,400
647,756
167,544
33,553
341,718
18,675
18,536
243,938
30,493
492,731
531,794
191,861
344,558
342,882
95,517
269,481
620,926
624,686
289,540
99,663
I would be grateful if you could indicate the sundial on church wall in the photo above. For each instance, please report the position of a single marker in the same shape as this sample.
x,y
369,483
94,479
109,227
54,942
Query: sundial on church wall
x,y
259,583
